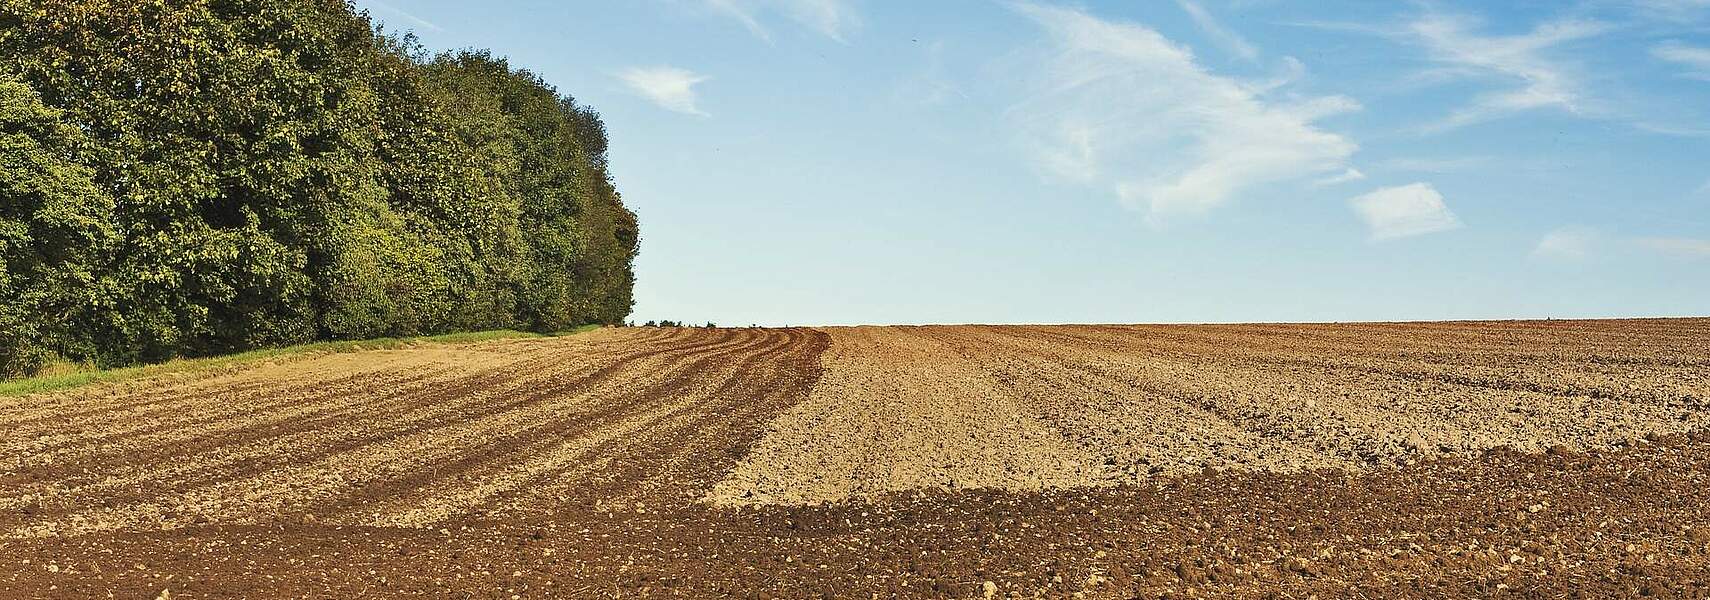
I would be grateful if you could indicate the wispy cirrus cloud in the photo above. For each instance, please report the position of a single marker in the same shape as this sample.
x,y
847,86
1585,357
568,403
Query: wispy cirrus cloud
x,y
1673,10
1436,164
1404,211
932,85
1349,175
1117,104
1575,243
1533,78
1695,59
1679,247
669,87
1230,41
406,16
1567,244
835,19
1559,65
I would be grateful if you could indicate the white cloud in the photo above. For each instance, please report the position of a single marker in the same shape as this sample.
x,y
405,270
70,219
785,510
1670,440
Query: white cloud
x,y
1118,104
1674,130
1566,243
669,87
1695,59
1574,243
931,86
1538,82
1674,10
835,19
1682,247
1404,211
1437,165
1352,174
1290,71
1229,40
1555,66
1674,5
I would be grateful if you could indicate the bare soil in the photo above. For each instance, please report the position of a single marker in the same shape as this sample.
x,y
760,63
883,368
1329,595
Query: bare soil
x,y
1033,408
1500,459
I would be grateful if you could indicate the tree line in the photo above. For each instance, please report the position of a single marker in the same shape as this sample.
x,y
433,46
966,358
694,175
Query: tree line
x,y
196,177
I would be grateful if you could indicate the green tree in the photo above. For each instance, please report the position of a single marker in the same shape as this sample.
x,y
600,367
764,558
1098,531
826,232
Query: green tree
x,y
268,172
55,228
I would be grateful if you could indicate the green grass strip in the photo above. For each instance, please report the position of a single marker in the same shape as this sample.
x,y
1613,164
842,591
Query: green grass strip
x,y
79,378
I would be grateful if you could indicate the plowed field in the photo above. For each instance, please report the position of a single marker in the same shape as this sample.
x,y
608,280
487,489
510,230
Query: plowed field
x,y
1467,459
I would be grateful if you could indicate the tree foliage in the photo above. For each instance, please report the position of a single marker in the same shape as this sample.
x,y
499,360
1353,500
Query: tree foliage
x,y
192,177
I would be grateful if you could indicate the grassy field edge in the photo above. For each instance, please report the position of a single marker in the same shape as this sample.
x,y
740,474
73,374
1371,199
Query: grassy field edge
x,y
82,376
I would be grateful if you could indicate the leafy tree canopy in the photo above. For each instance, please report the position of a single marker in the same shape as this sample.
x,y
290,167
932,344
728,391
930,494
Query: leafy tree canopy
x,y
206,176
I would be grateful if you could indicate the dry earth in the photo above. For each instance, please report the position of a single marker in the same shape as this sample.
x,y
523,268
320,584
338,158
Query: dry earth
x,y
1522,459
1031,408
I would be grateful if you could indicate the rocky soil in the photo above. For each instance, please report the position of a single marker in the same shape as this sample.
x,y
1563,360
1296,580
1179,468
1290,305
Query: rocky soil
x,y
1033,408
1503,459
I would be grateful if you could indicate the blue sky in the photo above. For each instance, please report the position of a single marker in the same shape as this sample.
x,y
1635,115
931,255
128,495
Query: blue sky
x,y
845,161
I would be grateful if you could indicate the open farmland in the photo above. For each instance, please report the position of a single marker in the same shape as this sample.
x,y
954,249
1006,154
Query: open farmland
x,y
1533,459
